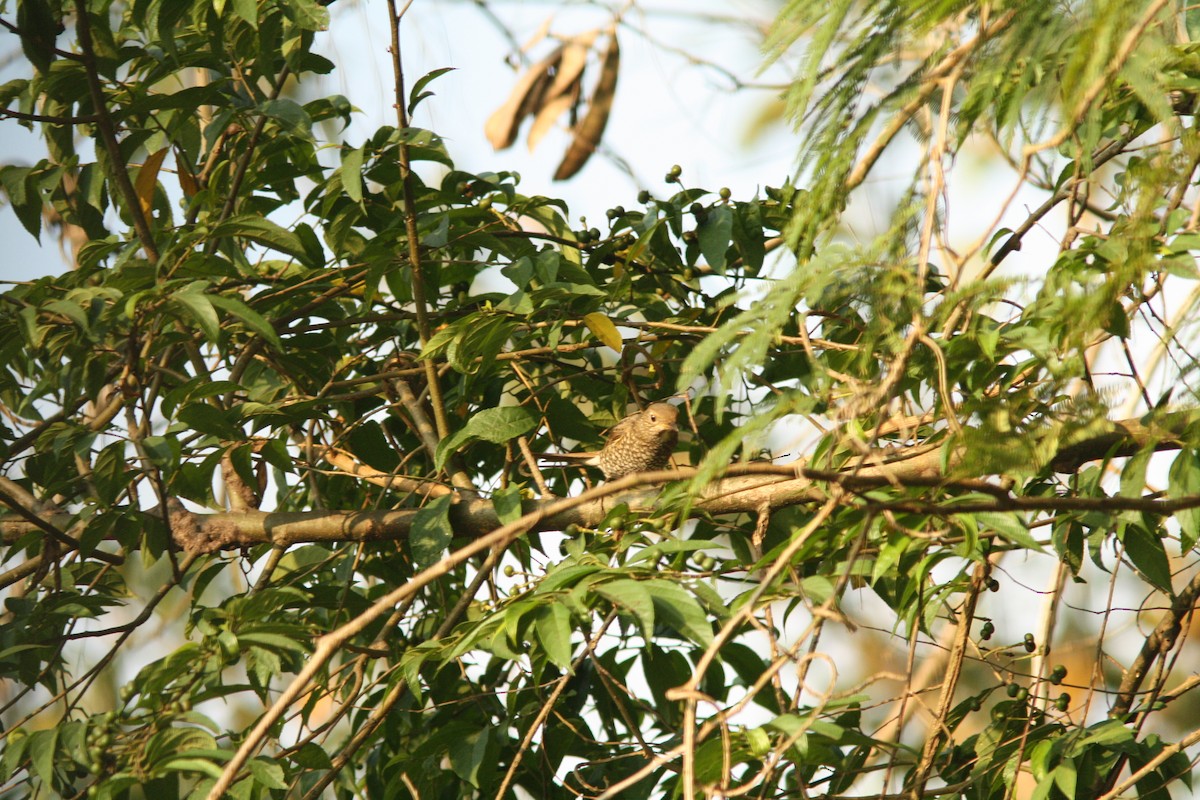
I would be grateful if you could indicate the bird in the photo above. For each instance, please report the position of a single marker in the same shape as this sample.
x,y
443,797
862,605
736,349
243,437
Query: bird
x,y
641,442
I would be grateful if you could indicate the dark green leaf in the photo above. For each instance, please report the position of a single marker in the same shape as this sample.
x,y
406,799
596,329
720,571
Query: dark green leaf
x,y
418,92
1146,551
265,232
714,233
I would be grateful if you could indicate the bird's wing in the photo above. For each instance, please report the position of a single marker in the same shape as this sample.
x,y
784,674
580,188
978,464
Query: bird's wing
x,y
621,428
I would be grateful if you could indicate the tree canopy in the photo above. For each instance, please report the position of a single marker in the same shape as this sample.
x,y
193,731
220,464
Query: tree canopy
x,y
278,516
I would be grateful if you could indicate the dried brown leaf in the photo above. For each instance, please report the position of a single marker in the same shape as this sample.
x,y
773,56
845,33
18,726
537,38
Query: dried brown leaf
x,y
526,98
563,94
147,180
187,181
551,110
591,128
570,67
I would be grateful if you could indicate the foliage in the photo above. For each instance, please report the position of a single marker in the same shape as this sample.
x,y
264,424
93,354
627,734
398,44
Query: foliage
x,y
268,441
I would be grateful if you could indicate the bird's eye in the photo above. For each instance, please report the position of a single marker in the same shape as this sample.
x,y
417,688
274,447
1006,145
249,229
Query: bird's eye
x,y
654,418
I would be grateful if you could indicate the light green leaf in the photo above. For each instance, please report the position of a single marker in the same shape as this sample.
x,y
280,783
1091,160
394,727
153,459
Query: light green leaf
x,y
309,15
253,320
247,10
507,502
1133,477
1065,777
1184,481
678,609
267,773
1147,553
431,531
190,765
199,305
351,172
1010,526
290,114
632,597
41,753
263,231
553,628
498,425
70,310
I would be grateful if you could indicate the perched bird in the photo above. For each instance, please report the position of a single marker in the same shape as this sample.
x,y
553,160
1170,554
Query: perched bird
x,y
641,442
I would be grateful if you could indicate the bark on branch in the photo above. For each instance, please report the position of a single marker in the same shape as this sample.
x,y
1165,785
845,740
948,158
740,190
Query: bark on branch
x,y
746,488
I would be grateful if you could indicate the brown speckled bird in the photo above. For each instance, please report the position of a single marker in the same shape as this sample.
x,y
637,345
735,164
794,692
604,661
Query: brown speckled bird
x,y
641,442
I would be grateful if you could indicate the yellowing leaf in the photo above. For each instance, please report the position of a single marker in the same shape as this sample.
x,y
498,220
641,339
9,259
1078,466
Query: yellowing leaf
x,y
187,181
603,328
147,179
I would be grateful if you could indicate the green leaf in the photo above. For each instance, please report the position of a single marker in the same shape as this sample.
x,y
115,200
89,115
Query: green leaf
x,y
507,502
1106,733
714,235
290,114
309,14
38,29
252,319
553,628
41,754
1147,553
312,756
498,425
431,531
201,765
668,546
210,420
467,755
267,773
351,173
199,305
263,231
247,10
1184,481
418,92
1065,777
633,597
1011,526
678,609
1133,477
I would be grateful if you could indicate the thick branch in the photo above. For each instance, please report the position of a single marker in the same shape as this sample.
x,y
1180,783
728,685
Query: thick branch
x,y
746,488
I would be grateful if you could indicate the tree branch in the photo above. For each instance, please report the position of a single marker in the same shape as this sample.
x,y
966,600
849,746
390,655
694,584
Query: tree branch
x,y
410,223
108,135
